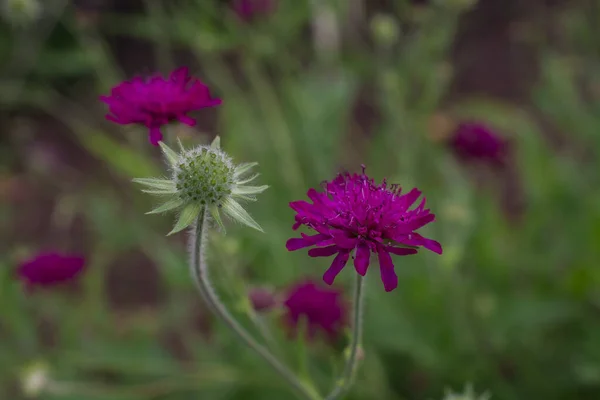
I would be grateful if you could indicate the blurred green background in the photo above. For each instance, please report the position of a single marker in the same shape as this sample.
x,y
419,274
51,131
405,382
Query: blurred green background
x,y
513,304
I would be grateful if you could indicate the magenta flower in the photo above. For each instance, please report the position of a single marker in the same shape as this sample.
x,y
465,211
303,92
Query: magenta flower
x,y
473,141
322,309
249,9
355,213
156,101
50,269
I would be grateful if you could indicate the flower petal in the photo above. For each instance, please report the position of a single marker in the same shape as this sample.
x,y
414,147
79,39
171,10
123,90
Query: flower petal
x,y
400,251
305,241
418,240
155,135
362,258
386,269
323,251
339,262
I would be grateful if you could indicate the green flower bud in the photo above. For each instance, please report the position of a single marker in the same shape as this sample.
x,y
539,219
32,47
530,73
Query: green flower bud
x,y
204,177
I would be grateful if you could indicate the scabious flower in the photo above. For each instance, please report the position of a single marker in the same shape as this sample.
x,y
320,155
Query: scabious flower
x,y
204,177
353,213
156,101
321,308
249,9
50,269
476,142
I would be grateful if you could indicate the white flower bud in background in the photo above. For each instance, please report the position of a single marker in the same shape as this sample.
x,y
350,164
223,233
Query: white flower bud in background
x,y
468,394
34,379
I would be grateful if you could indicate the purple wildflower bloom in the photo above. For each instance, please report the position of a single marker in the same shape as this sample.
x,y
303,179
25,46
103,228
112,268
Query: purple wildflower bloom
x,y
249,9
322,309
156,101
356,213
50,269
473,141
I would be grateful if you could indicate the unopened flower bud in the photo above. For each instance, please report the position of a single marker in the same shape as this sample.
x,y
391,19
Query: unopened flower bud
x,y
385,28
34,379
204,178
204,175
262,299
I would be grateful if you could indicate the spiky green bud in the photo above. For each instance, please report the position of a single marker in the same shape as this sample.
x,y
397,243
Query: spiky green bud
x,y
204,177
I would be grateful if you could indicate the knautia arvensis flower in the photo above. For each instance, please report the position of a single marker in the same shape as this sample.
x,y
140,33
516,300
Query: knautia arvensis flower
x,y
204,177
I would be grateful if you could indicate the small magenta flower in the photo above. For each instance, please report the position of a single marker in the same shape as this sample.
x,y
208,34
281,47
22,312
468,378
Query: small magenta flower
x,y
204,177
50,269
321,308
474,141
356,214
156,101
249,9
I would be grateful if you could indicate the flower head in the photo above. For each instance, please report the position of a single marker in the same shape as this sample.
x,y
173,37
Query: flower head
x,y
473,141
353,213
322,309
50,269
249,9
204,177
156,101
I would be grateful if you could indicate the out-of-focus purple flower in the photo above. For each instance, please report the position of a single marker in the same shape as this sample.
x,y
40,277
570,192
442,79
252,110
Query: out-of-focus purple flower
x,y
474,141
156,101
355,213
320,308
262,299
50,269
249,9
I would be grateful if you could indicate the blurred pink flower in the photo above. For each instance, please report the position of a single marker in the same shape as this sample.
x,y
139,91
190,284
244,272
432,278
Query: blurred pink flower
x,y
50,269
476,142
156,101
321,308
249,9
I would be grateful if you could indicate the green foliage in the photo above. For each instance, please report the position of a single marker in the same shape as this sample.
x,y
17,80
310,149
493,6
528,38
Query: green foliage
x,y
511,306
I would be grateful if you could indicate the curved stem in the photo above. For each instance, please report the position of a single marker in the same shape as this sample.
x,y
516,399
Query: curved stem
x,y
347,379
199,270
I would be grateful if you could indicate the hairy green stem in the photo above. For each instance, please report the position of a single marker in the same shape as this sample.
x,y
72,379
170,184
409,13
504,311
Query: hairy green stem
x,y
199,270
347,379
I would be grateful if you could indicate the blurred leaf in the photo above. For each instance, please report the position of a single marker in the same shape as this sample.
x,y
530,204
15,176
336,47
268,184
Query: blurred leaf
x,y
122,159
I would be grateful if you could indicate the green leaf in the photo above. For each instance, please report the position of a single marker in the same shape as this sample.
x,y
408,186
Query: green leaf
x,y
237,212
244,197
120,158
242,168
248,180
161,184
160,192
187,217
249,189
168,206
214,211
172,157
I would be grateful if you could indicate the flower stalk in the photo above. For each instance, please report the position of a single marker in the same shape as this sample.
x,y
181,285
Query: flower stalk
x,y
200,275
346,380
